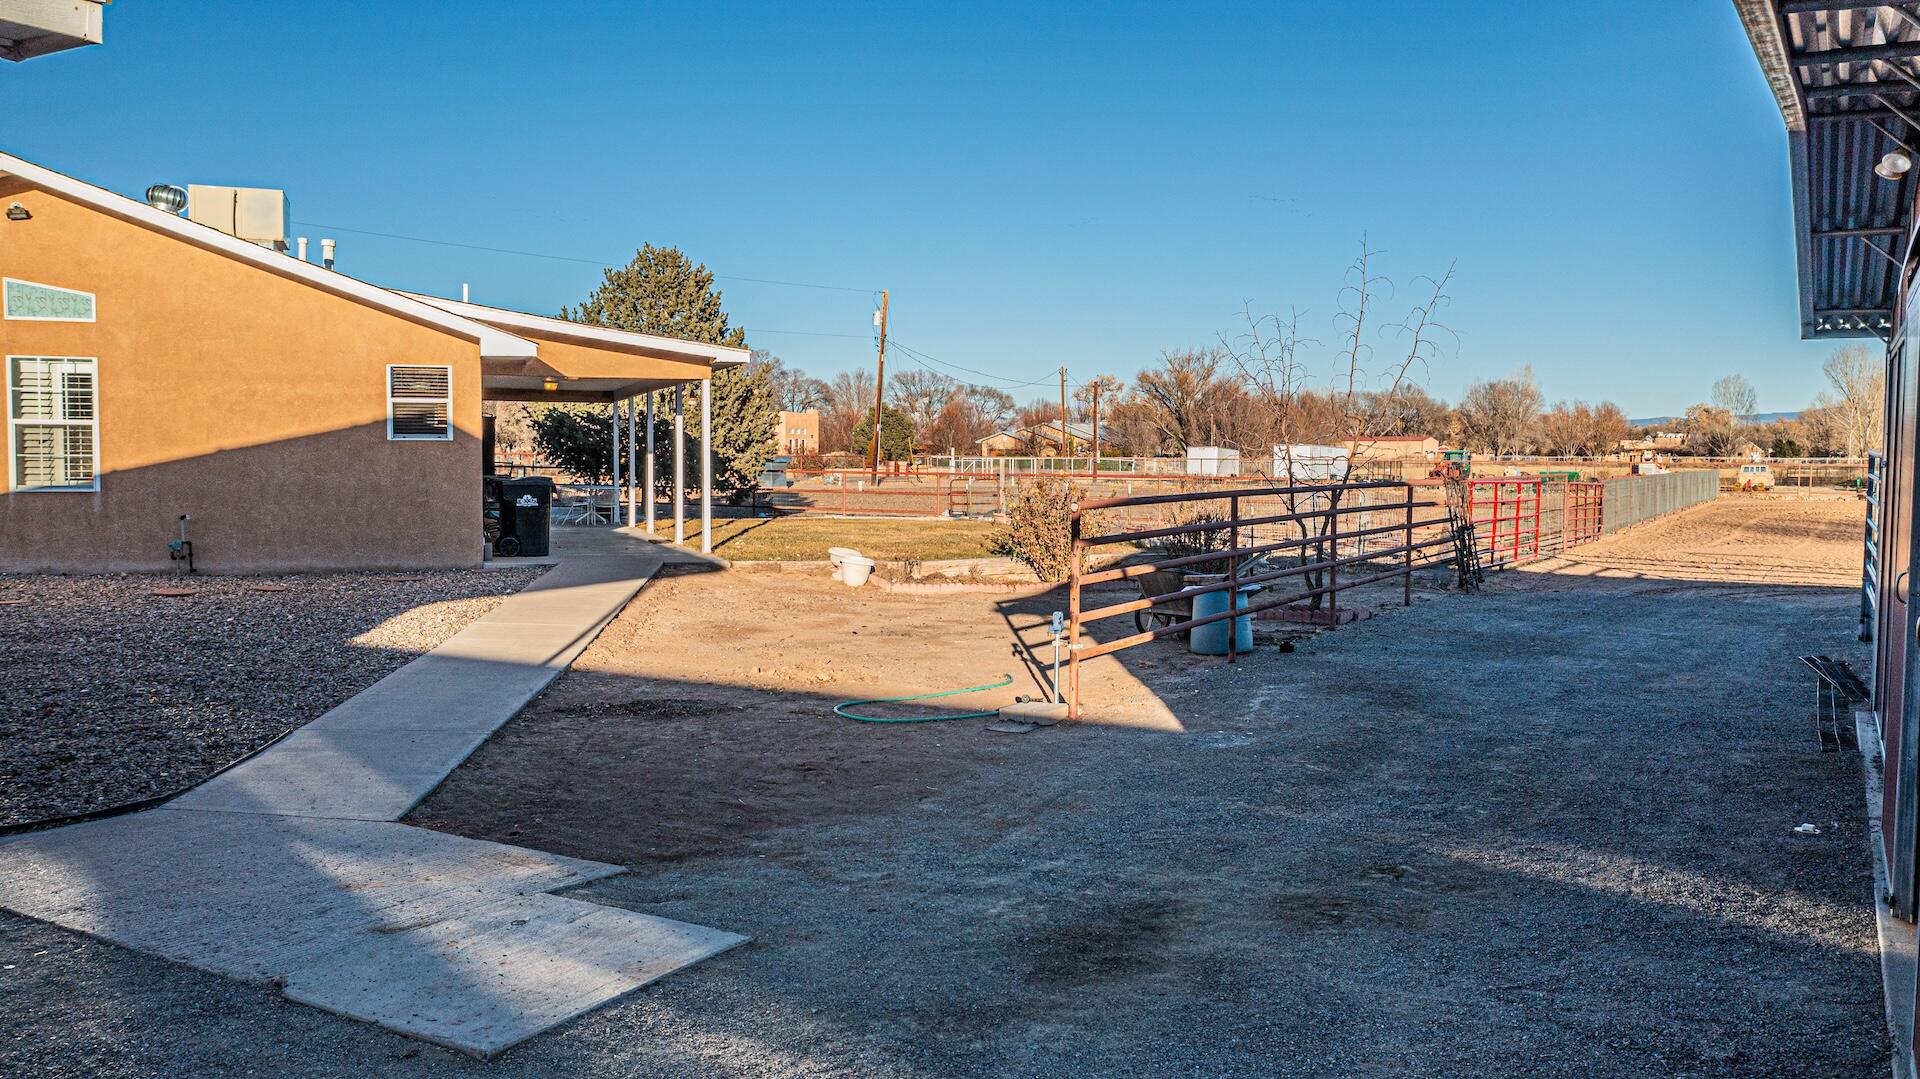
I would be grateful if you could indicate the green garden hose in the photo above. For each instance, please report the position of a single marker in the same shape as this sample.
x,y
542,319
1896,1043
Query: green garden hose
x,y
841,708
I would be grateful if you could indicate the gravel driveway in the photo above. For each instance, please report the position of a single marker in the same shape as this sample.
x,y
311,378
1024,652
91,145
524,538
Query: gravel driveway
x,y
110,694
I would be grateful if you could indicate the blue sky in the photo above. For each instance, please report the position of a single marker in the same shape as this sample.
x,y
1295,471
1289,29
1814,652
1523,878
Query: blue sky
x,y
1037,185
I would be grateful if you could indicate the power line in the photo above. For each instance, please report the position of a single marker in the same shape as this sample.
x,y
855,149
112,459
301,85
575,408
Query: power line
x,y
561,258
996,379
810,333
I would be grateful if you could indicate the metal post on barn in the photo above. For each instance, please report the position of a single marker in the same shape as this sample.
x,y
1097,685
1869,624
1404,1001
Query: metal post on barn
x,y
650,479
680,464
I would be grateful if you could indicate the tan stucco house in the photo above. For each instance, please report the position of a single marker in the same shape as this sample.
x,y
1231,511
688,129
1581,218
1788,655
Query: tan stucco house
x,y
157,367
799,432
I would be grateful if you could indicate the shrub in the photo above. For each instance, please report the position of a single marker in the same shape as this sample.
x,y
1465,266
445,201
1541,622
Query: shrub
x,y
1038,530
1201,542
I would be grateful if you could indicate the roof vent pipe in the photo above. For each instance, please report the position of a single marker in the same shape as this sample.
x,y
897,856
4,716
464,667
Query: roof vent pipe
x,y
326,253
167,198
300,245
463,293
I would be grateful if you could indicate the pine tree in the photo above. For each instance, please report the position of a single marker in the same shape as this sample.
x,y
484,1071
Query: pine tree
x,y
663,292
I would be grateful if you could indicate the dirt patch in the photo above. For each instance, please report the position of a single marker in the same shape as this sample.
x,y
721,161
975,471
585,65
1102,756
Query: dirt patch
x,y
718,689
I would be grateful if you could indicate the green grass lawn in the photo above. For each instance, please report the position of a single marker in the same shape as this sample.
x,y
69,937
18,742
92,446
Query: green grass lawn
x,y
771,539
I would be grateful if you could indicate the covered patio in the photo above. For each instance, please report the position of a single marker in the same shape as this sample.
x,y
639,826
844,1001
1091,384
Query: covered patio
x,y
582,364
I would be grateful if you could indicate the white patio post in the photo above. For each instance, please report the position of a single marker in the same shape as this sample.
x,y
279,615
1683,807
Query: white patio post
x,y
650,482
706,465
680,464
633,463
613,473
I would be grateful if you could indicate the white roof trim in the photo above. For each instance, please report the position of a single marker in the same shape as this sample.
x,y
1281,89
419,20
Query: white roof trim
x,y
715,355
494,344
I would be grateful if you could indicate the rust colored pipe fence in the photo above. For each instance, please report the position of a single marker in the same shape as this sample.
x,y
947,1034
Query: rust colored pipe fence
x,y
1319,548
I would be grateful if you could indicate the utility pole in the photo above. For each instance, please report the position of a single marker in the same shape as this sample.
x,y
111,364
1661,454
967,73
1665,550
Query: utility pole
x,y
1096,428
1066,443
879,388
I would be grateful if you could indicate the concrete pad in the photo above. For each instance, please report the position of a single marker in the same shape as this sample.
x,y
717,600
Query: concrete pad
x,y
1038,713
252,897
431,935
505,973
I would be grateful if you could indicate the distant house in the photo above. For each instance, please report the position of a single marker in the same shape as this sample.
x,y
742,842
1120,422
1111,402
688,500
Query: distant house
x,y
1394,448
1042,439
1750,450
799,432
1661,441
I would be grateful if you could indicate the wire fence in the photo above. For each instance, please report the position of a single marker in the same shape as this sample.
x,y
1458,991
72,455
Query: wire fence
x,y
1629,500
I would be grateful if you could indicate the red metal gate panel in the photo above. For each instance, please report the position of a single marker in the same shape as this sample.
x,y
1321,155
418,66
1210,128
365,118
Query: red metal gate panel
x,y
1585,502
1506,519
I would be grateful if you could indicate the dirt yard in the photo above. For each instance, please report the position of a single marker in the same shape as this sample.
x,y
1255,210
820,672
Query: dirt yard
x,y
1544,829
111,694
736,675
1785,538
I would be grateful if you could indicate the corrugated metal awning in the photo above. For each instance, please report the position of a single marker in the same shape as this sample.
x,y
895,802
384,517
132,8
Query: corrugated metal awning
x,y
1847,79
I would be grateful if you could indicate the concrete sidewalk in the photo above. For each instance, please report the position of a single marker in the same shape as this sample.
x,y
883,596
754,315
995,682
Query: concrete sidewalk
x,y
378,754
288,869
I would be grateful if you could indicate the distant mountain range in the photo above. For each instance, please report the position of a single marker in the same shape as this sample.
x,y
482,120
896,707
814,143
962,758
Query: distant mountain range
x,y
1758,417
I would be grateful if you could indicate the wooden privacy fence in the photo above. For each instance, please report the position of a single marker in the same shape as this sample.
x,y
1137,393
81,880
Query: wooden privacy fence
x,y
1326,527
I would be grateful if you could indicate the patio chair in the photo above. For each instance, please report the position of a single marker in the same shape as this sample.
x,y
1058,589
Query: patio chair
x,y
572,509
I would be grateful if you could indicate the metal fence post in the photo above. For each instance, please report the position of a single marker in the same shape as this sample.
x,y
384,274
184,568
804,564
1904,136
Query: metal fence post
x,y
1233,580
1073,613
1406,582
1333,559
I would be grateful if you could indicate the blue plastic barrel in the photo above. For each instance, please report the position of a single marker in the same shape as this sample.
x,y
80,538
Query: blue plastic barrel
x,y
1211,639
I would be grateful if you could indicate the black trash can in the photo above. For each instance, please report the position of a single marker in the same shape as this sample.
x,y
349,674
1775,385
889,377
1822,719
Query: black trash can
x,y
527,510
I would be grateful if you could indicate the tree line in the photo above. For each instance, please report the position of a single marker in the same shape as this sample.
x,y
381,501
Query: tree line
x,y
1270,383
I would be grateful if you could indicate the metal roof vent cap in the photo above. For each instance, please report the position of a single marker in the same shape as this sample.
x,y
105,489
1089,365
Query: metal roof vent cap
x,y
1893,166
167,198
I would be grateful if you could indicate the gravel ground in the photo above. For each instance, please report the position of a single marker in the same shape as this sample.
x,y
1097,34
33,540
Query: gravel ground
x,y
1545,830
111,694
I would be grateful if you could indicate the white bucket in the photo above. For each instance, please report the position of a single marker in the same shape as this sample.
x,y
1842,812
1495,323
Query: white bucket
x,y
836,555
854,570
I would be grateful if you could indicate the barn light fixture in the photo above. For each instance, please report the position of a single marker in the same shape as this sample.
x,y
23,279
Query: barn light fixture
x,y
1893,166
17,212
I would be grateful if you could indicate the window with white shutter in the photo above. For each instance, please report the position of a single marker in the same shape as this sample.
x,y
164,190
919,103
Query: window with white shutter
x,y
52,423
419,403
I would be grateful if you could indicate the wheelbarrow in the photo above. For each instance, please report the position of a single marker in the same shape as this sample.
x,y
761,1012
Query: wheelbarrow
x,y
1158,583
